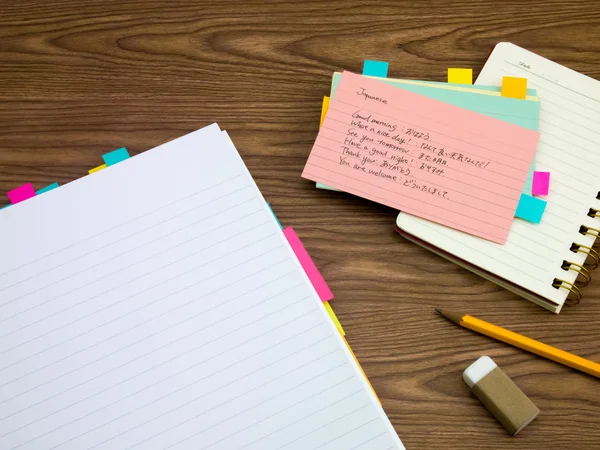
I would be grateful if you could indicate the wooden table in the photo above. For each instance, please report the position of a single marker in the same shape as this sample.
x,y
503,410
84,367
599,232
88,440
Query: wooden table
x,y
79,78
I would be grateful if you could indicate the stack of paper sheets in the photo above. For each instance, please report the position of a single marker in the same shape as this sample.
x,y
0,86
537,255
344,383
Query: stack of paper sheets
x,y
160,306
458,155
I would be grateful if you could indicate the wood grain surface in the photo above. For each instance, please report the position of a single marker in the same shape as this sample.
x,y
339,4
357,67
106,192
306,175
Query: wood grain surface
x,y
79,78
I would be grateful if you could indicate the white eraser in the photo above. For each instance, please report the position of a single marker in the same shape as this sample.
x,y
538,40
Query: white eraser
x,y
478,370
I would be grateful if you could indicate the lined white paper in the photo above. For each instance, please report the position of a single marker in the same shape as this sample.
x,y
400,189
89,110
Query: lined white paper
x,y
156,305
569,149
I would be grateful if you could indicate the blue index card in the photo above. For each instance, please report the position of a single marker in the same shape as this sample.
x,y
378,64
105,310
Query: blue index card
x,y
530,208
375,68
47,188
276,219
116,156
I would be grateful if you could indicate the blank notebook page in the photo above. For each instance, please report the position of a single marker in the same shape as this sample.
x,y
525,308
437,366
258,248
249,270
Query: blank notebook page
x,y
157,305
569,148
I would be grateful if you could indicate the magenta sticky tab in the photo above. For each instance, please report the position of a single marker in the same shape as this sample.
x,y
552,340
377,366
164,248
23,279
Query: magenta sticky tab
x,y
308,265
541,183
21,193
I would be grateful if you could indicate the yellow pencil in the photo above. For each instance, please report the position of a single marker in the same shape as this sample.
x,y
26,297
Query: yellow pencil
x,y
518,340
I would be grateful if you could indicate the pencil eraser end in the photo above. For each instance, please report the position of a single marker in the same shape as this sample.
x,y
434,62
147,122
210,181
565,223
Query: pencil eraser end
x,y
500,395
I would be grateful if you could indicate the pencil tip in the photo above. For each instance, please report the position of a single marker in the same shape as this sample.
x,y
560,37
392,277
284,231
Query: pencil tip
x,y
438,310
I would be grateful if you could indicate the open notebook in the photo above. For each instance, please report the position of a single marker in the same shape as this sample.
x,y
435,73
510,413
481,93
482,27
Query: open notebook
x,y
539,261
157,305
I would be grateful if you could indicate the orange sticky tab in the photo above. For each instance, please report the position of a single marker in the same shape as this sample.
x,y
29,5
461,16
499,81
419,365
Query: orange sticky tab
x,y
514,87
324,109
460,76
361,369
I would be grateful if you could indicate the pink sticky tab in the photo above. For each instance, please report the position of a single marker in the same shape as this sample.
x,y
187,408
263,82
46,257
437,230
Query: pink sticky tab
x,y
21,193
423,156
308,265
541,183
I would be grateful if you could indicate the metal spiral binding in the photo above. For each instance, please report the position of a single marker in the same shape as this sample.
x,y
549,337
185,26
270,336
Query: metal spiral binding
x,y
579,248
589,231
558,284
573,288
568,265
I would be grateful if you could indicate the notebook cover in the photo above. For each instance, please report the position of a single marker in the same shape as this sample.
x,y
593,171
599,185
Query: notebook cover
x,y
502,282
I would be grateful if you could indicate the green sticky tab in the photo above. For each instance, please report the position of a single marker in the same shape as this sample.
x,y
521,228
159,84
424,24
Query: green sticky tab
x,y
47,188
531,208
116,156
375,68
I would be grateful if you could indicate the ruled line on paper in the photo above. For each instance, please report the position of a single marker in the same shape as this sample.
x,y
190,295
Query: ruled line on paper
x,y
367,441
212,392
132,220
188,368
272,415
344,434
425,127
555,168
326,425
400,154
563,149
262,420
555,83
528,262
342,186
138,341
565,119
275,264
366,131
137,232
414,209
134,279
435,184
218,228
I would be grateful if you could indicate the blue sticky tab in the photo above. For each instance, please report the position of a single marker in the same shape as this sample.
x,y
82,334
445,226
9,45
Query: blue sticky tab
x,y
276,219
530,208
47,188
116,156
5,206
375,68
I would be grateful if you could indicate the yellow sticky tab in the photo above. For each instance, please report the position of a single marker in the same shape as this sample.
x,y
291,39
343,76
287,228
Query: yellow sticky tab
x,y
334,318
460,76
97,169
361,369
324,109
514,87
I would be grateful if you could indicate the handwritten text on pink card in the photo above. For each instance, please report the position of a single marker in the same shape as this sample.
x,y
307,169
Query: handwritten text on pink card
x,y
422,156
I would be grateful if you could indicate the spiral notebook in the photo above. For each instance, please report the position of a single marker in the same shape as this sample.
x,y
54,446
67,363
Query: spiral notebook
x,y
164,308
540,262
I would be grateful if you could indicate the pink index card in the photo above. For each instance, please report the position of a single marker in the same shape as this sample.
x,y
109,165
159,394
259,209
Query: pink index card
x,y
423,156
541,183
21,193
308,265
